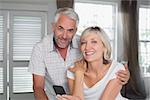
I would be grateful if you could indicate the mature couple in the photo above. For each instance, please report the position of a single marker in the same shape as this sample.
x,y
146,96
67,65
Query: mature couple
x,y
82,65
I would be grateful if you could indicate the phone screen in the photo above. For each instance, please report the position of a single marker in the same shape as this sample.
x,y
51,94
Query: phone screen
x,y
59,90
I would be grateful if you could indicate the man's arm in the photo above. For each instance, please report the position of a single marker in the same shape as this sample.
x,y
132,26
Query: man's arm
x,y
38,87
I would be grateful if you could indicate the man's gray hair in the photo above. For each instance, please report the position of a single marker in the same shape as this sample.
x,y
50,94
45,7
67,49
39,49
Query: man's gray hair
x,y
67,12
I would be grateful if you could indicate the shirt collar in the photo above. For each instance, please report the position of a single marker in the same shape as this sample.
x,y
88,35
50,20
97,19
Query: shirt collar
x,y
75,42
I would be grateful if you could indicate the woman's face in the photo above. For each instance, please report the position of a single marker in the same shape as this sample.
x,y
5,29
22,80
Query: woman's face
x,y
92,47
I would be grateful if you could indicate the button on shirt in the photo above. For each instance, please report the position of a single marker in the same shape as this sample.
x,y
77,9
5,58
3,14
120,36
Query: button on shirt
x,y
47,61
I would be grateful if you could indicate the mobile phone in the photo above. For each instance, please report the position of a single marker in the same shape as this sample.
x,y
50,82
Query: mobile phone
x,y
59,90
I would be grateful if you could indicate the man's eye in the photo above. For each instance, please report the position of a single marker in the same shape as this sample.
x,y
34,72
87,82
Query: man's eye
x,y
71,30
60,28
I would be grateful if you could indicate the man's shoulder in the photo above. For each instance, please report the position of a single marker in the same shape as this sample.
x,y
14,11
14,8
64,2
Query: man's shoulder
x,y
77,37
76,41
47,38
45,41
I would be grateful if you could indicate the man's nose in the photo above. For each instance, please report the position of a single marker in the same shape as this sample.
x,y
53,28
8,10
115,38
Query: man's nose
x,y
64,35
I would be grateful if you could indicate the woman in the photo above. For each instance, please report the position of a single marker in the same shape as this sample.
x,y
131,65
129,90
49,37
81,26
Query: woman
x,y
94,76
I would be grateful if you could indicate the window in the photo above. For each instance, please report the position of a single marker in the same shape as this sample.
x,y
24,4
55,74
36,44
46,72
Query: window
x,y
95,14
19,31
144,40
3,56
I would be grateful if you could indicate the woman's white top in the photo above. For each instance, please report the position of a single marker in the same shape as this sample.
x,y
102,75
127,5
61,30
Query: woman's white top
x,y
95,92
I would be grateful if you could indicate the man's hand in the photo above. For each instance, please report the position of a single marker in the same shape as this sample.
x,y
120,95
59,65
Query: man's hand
x,y
67,97
123,75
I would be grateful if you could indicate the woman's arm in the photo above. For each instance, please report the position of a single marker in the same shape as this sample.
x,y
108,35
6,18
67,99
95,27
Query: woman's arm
x,y
76,86
111,90
71,85
73,96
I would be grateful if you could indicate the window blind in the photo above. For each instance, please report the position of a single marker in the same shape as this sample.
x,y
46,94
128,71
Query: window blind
x,y
26,32
1,37
22,80
1,53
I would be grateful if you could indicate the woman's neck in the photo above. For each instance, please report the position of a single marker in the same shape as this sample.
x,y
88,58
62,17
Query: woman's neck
x,y
95,72
95,66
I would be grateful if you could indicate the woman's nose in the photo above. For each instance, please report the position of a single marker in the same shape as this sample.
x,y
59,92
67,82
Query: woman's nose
x,y
88,46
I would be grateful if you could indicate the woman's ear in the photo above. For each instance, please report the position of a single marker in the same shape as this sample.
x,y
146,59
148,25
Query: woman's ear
x,y
105,53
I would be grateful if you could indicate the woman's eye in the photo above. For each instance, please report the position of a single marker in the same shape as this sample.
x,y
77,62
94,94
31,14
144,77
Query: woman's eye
x,y
93,41
83,43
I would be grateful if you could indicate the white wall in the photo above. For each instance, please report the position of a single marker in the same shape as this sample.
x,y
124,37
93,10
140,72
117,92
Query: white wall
x,y
51,10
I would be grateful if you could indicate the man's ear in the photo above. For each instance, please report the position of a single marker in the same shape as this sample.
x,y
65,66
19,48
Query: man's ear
x,y
76,29
53,26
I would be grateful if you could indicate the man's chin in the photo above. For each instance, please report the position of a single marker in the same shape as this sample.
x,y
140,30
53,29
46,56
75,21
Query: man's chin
x,y
62,46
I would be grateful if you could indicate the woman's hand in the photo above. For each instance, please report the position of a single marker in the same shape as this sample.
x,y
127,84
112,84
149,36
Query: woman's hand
x,y
67,97
80,66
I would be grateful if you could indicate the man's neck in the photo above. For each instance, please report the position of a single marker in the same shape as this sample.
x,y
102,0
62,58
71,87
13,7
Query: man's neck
x,y
62,51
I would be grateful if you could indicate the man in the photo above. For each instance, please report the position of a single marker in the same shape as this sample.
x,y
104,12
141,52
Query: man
x,y
55,53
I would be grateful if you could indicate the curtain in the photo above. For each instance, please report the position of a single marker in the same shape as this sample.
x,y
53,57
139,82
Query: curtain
x,y
134,89
65,3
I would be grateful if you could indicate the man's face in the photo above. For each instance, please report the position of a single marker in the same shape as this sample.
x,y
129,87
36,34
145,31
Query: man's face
x,y
64,30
